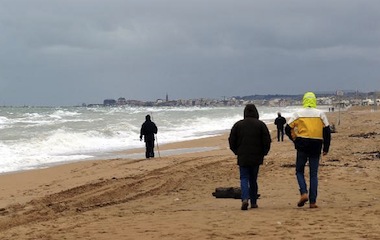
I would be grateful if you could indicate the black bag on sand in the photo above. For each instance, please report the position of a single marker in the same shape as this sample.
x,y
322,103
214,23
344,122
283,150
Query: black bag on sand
x,y
227,192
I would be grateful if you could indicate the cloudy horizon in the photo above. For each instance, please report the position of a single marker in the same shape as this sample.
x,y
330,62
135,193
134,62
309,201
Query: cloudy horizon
x,y
69,52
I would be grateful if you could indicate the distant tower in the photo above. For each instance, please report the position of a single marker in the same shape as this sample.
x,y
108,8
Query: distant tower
x,y
167,97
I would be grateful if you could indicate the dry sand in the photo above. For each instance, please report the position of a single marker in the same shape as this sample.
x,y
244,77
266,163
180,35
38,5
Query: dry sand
x,y
171,197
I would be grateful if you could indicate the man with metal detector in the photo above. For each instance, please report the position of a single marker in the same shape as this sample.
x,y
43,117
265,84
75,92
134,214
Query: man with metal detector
x,y
148,129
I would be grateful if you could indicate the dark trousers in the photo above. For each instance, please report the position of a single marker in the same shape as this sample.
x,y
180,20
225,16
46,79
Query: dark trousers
x,y
280,134
149,153
248,183
302,159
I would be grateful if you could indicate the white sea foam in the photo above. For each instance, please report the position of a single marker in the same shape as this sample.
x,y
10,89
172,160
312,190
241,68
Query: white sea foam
x,y
36,137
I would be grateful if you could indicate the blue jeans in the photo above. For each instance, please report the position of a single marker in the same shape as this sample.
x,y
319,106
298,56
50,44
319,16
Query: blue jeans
x,y
248,183
302,159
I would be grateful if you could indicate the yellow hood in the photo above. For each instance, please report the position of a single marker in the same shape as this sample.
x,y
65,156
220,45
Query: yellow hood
x,y
309,100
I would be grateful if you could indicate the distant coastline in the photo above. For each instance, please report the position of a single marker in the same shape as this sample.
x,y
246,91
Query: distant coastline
x,y
337,99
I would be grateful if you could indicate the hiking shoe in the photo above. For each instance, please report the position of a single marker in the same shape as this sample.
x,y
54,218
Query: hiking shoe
x,y
304,198
313,205
254,206
244,205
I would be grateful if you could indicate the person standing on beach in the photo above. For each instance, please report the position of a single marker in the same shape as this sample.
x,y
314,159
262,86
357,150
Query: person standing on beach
x,y
310,132
148,129
280,121
250,140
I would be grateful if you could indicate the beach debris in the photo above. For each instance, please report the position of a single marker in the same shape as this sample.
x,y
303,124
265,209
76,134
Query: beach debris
x,y
358,166
292,165
3,211
333,160
373,155
364,135
288,165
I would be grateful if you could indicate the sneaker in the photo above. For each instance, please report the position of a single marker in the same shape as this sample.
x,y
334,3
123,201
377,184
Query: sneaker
x,y
313,205
303,200
244,205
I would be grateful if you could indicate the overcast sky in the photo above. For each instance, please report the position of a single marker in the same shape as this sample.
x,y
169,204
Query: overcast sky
x,y
68,52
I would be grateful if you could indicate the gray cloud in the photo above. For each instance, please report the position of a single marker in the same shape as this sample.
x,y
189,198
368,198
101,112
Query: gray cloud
x,y
68,52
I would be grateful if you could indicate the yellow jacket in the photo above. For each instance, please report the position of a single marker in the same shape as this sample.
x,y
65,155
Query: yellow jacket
x,y
309,127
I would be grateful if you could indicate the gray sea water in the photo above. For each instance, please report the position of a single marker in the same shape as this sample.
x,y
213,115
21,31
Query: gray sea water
x,y
33,137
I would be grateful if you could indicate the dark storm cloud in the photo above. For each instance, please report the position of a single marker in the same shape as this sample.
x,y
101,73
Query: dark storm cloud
x,y
69,52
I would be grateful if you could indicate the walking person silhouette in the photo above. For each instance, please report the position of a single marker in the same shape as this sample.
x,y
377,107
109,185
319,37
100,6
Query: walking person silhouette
x,y
148,129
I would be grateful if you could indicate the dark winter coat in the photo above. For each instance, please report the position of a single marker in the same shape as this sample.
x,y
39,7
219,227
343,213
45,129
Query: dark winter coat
x,y
148,129
280,122
250,138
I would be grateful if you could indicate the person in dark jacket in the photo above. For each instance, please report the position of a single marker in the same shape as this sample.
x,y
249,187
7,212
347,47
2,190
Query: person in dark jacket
x,y
250,140
310,132
280,121
148,129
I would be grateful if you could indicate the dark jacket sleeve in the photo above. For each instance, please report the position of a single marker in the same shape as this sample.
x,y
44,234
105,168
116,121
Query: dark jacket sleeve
x,y
288,131
266,139
326,138
232,140
142,131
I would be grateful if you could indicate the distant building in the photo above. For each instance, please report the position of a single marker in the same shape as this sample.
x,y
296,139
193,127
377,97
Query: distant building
x,y
121,101
109,102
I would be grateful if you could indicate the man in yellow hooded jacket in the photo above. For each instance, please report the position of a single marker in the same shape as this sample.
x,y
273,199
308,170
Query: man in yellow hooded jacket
x,y
310,132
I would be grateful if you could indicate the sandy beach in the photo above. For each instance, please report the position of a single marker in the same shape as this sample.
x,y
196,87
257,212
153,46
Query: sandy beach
x,y
170,197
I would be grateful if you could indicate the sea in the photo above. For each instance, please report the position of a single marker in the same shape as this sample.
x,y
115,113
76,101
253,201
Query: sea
x,y
39,137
